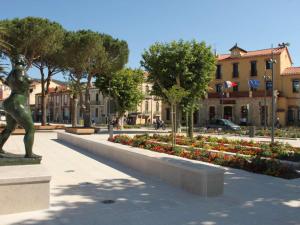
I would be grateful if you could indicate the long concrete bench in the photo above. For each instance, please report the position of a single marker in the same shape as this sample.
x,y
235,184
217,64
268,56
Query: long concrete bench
x,y
200,178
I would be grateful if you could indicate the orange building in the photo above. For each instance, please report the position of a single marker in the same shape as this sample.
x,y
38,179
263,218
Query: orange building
x,y
245,104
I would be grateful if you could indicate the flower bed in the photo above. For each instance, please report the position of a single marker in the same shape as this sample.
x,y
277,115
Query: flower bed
x,y
287,132
256,164
277,151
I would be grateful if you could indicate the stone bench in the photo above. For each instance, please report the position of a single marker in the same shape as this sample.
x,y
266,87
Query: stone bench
x,y
23,188
197,177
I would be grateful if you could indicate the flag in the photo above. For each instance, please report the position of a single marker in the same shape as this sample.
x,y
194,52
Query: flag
x,y
229,84
253,83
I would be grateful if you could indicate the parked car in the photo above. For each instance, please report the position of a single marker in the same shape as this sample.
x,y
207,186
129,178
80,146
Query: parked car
x,y
224,124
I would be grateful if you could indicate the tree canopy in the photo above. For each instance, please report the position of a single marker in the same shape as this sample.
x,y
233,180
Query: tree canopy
x,y
125,88
188,64
31,36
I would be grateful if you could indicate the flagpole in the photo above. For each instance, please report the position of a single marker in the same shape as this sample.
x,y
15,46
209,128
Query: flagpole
x,y
222,92
273,98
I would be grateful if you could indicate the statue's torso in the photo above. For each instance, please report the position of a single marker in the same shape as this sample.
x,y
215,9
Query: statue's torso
x,y
19,84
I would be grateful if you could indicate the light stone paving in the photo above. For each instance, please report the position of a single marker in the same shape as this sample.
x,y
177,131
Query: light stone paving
x,y
80,182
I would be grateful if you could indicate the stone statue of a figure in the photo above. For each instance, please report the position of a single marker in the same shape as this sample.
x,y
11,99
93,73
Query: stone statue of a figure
x,y
17,107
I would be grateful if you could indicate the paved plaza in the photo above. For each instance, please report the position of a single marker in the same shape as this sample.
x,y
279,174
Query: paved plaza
x,y
82,181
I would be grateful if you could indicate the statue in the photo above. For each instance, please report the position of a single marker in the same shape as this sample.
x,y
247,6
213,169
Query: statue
x,y
17,108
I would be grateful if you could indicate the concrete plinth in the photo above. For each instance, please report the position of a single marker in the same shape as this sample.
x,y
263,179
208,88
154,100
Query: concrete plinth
x,y
197,177
23,188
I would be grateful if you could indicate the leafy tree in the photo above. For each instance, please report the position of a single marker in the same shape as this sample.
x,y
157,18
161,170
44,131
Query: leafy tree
x,y
188,64
40,40
76,54
174,96
125,89
50,62
107,55
30,36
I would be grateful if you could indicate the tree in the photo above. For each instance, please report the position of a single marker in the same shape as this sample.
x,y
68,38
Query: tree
x,y
40,41
108,56
30,36
50,62
174,96
125,89
76,53
187,64
4,47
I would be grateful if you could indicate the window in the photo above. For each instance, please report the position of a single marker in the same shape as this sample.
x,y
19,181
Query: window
x,y
212,112
65,99
168,114
96,113
296,86
235,88
268,64
253,89
269,85
218,88
97,97
218,72
157,106
235,70
57,99
253,68
147,89
146,106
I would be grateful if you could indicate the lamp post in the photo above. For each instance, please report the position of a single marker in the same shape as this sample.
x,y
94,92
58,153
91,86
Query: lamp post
x,y
110,126
266,79
272,62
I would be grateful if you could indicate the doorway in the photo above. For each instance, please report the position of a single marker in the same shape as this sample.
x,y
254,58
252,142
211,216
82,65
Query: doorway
x,y
228,112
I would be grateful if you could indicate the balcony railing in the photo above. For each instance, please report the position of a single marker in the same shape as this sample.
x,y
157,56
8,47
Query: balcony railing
x,y
95,103
241,94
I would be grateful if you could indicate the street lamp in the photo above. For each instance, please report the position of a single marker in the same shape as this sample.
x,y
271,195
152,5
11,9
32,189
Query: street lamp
x,y
110,126
266,79
272,61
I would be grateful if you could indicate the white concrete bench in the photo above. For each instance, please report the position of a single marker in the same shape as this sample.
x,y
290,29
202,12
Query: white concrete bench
x,y
194,176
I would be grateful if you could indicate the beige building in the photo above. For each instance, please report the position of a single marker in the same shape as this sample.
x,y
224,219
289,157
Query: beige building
x,y
148,110
245,104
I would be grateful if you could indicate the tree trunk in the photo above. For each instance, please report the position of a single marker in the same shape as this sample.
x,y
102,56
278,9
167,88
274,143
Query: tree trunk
x,y
43,103
87,109
120,121
172,122
74,110
178,118
191,123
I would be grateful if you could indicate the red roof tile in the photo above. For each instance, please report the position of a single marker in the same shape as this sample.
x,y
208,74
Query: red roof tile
x,y
263,52
291,71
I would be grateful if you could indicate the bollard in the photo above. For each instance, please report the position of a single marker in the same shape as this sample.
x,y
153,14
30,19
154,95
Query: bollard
x,y
111,131
251,131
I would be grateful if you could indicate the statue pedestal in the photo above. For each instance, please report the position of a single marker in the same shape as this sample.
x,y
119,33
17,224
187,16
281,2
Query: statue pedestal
x,y
24,188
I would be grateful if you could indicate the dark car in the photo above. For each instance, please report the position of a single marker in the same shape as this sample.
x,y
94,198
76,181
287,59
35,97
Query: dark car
x,y
224,124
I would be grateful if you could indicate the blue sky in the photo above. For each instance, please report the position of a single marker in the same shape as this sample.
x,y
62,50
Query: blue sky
x,y
253,24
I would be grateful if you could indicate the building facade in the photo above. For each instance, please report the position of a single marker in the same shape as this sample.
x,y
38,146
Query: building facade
x,y
252,105
148,110
58,106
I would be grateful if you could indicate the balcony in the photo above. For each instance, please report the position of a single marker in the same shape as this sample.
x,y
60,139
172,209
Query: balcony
x,y
146,113
148,96
240,94
157,113
95,103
